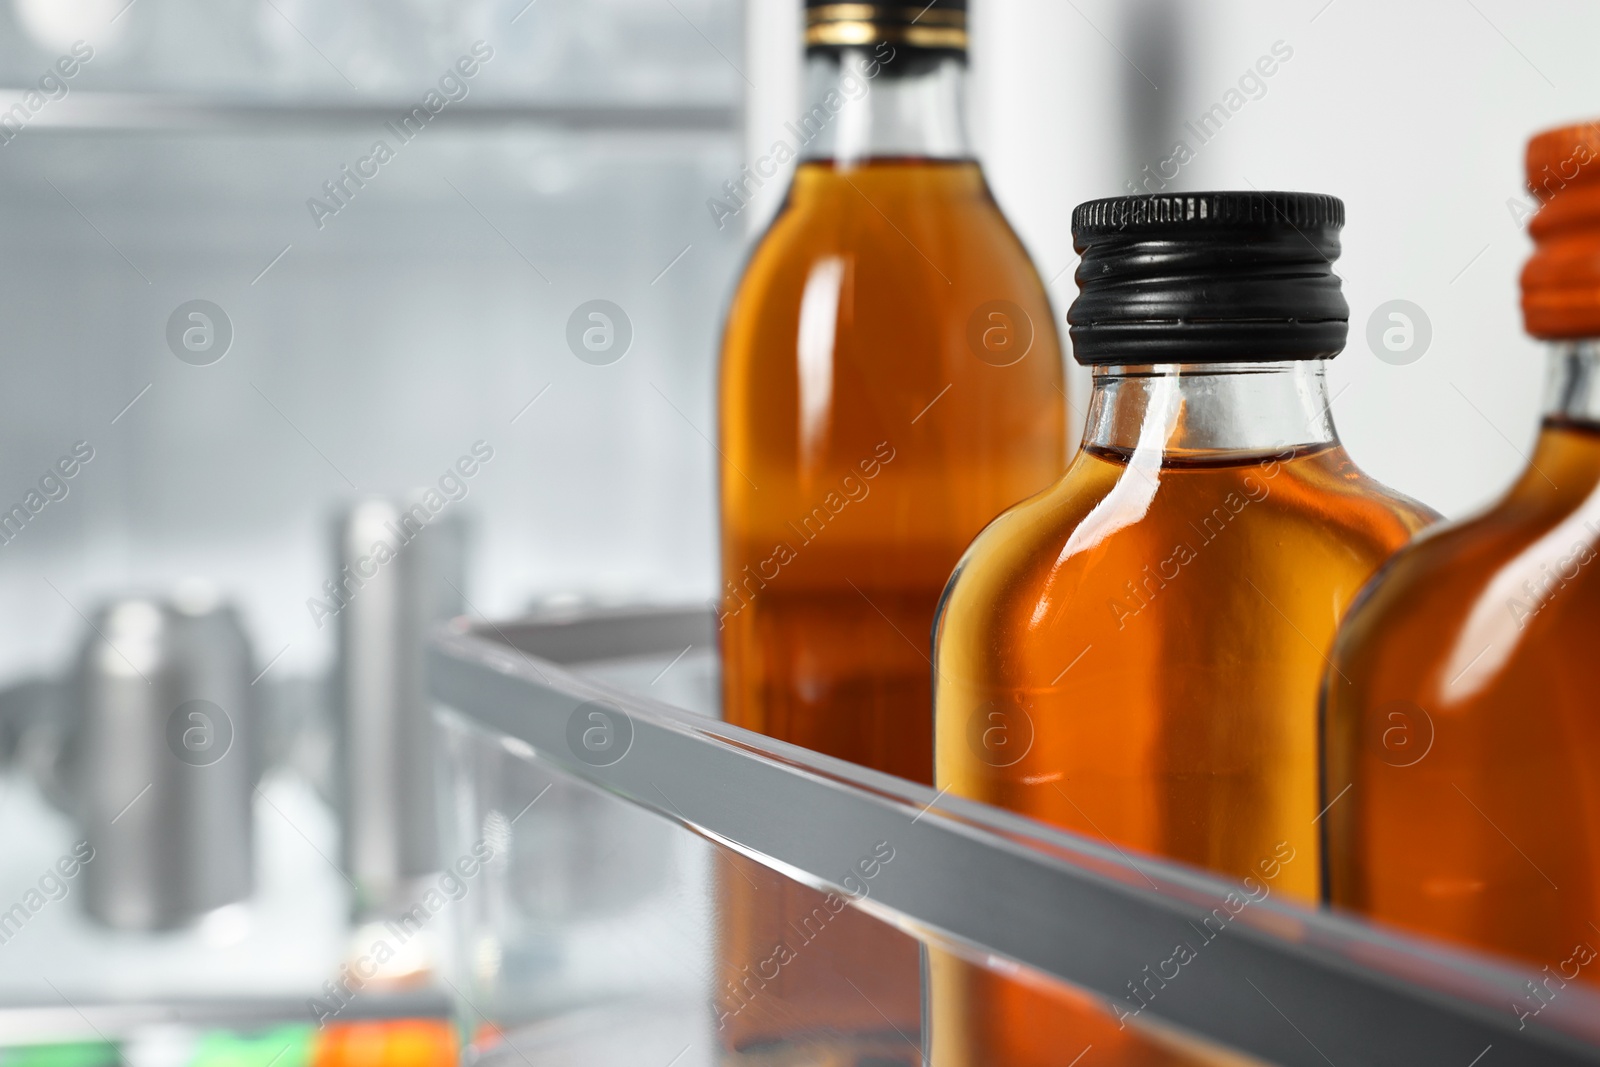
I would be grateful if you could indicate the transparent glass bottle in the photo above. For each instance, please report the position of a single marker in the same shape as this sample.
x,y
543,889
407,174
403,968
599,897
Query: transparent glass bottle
x,y
891,380
1462,731
1135,654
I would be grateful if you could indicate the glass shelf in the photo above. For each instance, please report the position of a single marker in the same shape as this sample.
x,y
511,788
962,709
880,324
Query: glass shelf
x,y
177,113
630,867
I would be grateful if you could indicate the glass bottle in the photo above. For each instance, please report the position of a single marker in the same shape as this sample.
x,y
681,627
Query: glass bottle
x,y
1462,734
891,379
1135,653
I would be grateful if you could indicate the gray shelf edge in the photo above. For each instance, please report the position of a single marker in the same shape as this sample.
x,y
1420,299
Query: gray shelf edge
x,y
89,111
999,884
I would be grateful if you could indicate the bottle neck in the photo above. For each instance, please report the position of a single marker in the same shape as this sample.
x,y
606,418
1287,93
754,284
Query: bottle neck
x,y
1209,412
876,103
1572,382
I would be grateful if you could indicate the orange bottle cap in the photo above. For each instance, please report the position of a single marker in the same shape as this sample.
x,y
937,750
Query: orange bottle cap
x,y
1561,283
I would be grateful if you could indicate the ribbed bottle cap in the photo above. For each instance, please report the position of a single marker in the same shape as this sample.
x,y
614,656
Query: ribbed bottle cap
x,y
1561,283
939,26
1208,278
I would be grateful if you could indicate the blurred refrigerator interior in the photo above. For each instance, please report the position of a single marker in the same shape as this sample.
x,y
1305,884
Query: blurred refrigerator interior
x,y
273,265
275,268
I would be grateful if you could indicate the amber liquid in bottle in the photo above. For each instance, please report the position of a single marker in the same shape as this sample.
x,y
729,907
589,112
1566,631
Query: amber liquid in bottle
x,y
1015,1021
865,452
891,380
1135,654
1462,727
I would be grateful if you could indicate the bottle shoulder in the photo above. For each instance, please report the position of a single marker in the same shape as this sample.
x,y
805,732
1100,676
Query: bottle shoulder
x,y
914,221
895,295
1107,523
1514,576
1319,495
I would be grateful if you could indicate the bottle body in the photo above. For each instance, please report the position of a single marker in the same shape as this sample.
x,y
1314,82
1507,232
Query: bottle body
x,y
1460,728
1135,654
866,442
891,380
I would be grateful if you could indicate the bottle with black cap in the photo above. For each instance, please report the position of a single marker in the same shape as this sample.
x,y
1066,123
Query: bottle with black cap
x,y
891,379
1135,653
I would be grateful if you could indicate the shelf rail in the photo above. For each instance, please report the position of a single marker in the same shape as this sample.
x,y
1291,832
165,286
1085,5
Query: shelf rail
x,y
1288,984
135,112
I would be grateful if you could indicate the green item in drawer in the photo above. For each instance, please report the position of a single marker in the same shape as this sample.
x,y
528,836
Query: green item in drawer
x,y
61,1054
283,1046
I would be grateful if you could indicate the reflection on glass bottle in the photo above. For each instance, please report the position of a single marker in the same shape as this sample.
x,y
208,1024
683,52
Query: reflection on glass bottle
x,y
891,379
1135,653
1460,728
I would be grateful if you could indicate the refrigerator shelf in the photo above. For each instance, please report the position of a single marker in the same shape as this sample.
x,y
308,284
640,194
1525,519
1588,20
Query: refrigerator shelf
x,y
1284,983
98,111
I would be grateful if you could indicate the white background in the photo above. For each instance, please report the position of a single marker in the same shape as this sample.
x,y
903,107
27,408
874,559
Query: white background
x,y
1415,114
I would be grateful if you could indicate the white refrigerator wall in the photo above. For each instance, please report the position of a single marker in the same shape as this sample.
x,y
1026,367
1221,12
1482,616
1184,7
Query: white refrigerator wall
x,y
1415,114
